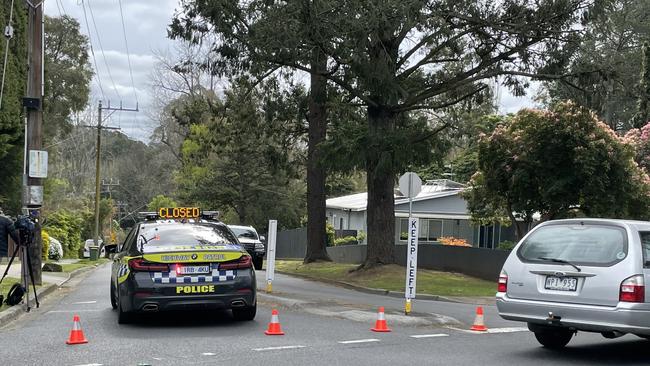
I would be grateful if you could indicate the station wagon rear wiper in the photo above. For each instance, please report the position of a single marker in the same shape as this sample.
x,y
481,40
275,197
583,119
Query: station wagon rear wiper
x,y
563,261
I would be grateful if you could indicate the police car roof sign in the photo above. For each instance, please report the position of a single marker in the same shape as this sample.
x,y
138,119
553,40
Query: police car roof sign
x,y
410,184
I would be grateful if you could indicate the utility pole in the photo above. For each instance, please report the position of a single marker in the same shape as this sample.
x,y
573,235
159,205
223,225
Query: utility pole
x,y
99,127
36,170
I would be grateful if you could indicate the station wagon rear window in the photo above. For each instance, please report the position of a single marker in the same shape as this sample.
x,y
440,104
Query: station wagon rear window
x,y
585,244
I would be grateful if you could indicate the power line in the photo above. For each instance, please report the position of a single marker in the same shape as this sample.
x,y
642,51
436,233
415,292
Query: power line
x,y
128,56
62,7
92,52
101,48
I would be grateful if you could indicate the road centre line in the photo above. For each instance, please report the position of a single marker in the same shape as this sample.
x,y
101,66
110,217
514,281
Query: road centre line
x,y
276,348
359,341
84,302
91,364
208,354
430,335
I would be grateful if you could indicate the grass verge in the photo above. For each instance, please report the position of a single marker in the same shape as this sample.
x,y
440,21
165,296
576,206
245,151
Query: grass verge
x,y
6,285
392,277
69,267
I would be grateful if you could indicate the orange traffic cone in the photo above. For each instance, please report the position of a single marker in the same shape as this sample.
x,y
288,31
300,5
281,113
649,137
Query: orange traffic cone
x,y
274,325
380,324
76,334
479,322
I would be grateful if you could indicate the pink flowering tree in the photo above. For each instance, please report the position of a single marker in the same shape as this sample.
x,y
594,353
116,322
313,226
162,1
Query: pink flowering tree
x,y
559,163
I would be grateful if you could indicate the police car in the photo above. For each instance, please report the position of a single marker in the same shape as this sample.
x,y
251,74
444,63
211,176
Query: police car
x,y
181,258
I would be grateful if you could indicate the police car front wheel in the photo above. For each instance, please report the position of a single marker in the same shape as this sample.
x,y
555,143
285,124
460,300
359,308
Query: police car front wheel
x,y
245,313
113,300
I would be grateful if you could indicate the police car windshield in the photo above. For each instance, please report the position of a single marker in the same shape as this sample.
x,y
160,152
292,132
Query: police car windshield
x,y
185,234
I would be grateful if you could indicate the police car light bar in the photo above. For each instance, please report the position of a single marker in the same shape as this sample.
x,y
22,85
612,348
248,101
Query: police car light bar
x,y
179,213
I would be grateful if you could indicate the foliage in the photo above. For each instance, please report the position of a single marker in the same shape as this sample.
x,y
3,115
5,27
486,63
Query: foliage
x,y
243,155
603,75
346,240
11,127
45,249
161,201
67,227
506,245
456,242
554,162
67,74
331,233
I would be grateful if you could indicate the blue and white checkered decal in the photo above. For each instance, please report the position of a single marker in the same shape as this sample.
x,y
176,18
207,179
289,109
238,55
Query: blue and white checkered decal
x,y
215,276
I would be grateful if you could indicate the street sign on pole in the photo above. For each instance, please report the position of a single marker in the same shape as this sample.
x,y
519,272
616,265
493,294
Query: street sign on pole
x,y
411,259
37,164
270,254
410,185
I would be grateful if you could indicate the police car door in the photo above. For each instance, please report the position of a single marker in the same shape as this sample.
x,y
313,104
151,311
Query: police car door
x,y
120,252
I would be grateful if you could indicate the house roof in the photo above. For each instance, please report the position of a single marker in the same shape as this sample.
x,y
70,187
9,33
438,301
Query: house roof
x,y
431,190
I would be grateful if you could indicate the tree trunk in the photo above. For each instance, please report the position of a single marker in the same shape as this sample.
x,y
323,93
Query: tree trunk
x,y
381,184
317,119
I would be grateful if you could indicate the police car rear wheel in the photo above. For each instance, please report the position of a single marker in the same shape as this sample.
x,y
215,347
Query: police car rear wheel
x,y
113,300
244,314
122,316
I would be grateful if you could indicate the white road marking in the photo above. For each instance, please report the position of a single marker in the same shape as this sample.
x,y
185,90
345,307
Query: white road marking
x,y
75,311
84,302
91,364
208,354
492,330
276,348
430,335
360,341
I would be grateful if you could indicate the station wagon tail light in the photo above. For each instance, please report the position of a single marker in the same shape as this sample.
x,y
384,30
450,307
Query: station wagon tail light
x,y
633,289
503,282
139,264
243,262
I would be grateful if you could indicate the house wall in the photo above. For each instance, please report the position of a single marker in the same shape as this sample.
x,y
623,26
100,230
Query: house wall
x,y
447,205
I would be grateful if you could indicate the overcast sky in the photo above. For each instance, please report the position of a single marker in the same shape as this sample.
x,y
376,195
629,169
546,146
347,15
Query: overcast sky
x,y
146,26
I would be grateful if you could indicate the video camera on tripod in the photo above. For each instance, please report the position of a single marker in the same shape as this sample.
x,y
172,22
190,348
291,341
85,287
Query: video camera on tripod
x,y
26,227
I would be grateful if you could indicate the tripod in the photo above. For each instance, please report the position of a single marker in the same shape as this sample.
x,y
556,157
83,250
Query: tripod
x,y
25,241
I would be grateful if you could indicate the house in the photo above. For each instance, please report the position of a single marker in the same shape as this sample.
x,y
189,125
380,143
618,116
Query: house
x,y
439,206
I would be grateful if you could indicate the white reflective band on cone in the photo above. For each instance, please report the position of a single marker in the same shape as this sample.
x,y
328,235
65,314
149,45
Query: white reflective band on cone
x,y
381,316
274,319
75,326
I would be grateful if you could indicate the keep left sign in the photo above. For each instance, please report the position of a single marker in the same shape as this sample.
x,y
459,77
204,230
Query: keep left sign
x,y
411,258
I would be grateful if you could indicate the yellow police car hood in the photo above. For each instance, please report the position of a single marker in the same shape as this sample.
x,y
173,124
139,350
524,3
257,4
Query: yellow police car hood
x,y
192,253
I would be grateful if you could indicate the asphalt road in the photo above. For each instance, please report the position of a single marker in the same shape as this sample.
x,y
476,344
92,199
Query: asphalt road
x,y
200,338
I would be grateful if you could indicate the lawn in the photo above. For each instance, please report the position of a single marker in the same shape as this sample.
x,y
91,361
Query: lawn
x,y
393,277
69,267
6,285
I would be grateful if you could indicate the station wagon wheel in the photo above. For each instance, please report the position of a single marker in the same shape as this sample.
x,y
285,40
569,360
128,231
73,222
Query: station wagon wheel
x,y
554,338
258,262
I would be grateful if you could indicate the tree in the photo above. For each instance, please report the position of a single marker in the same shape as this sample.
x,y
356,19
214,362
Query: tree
x,y
67,74
558,163
161,201
642,115
242,52
395,58
244,156
603,75
11,127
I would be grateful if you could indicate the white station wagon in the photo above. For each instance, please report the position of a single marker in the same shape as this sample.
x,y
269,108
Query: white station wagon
x,y
575,275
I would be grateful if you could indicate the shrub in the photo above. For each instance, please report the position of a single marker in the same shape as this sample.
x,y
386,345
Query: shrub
x,y
451,241
67,226
329,229
45,250
345,240
506,245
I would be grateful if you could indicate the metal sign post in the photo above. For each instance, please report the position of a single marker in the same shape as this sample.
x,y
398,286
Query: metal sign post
x,y
270,254
410,185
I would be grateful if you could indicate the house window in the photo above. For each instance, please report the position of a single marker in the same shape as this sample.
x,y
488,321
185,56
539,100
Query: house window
x,y
429,230
341,224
